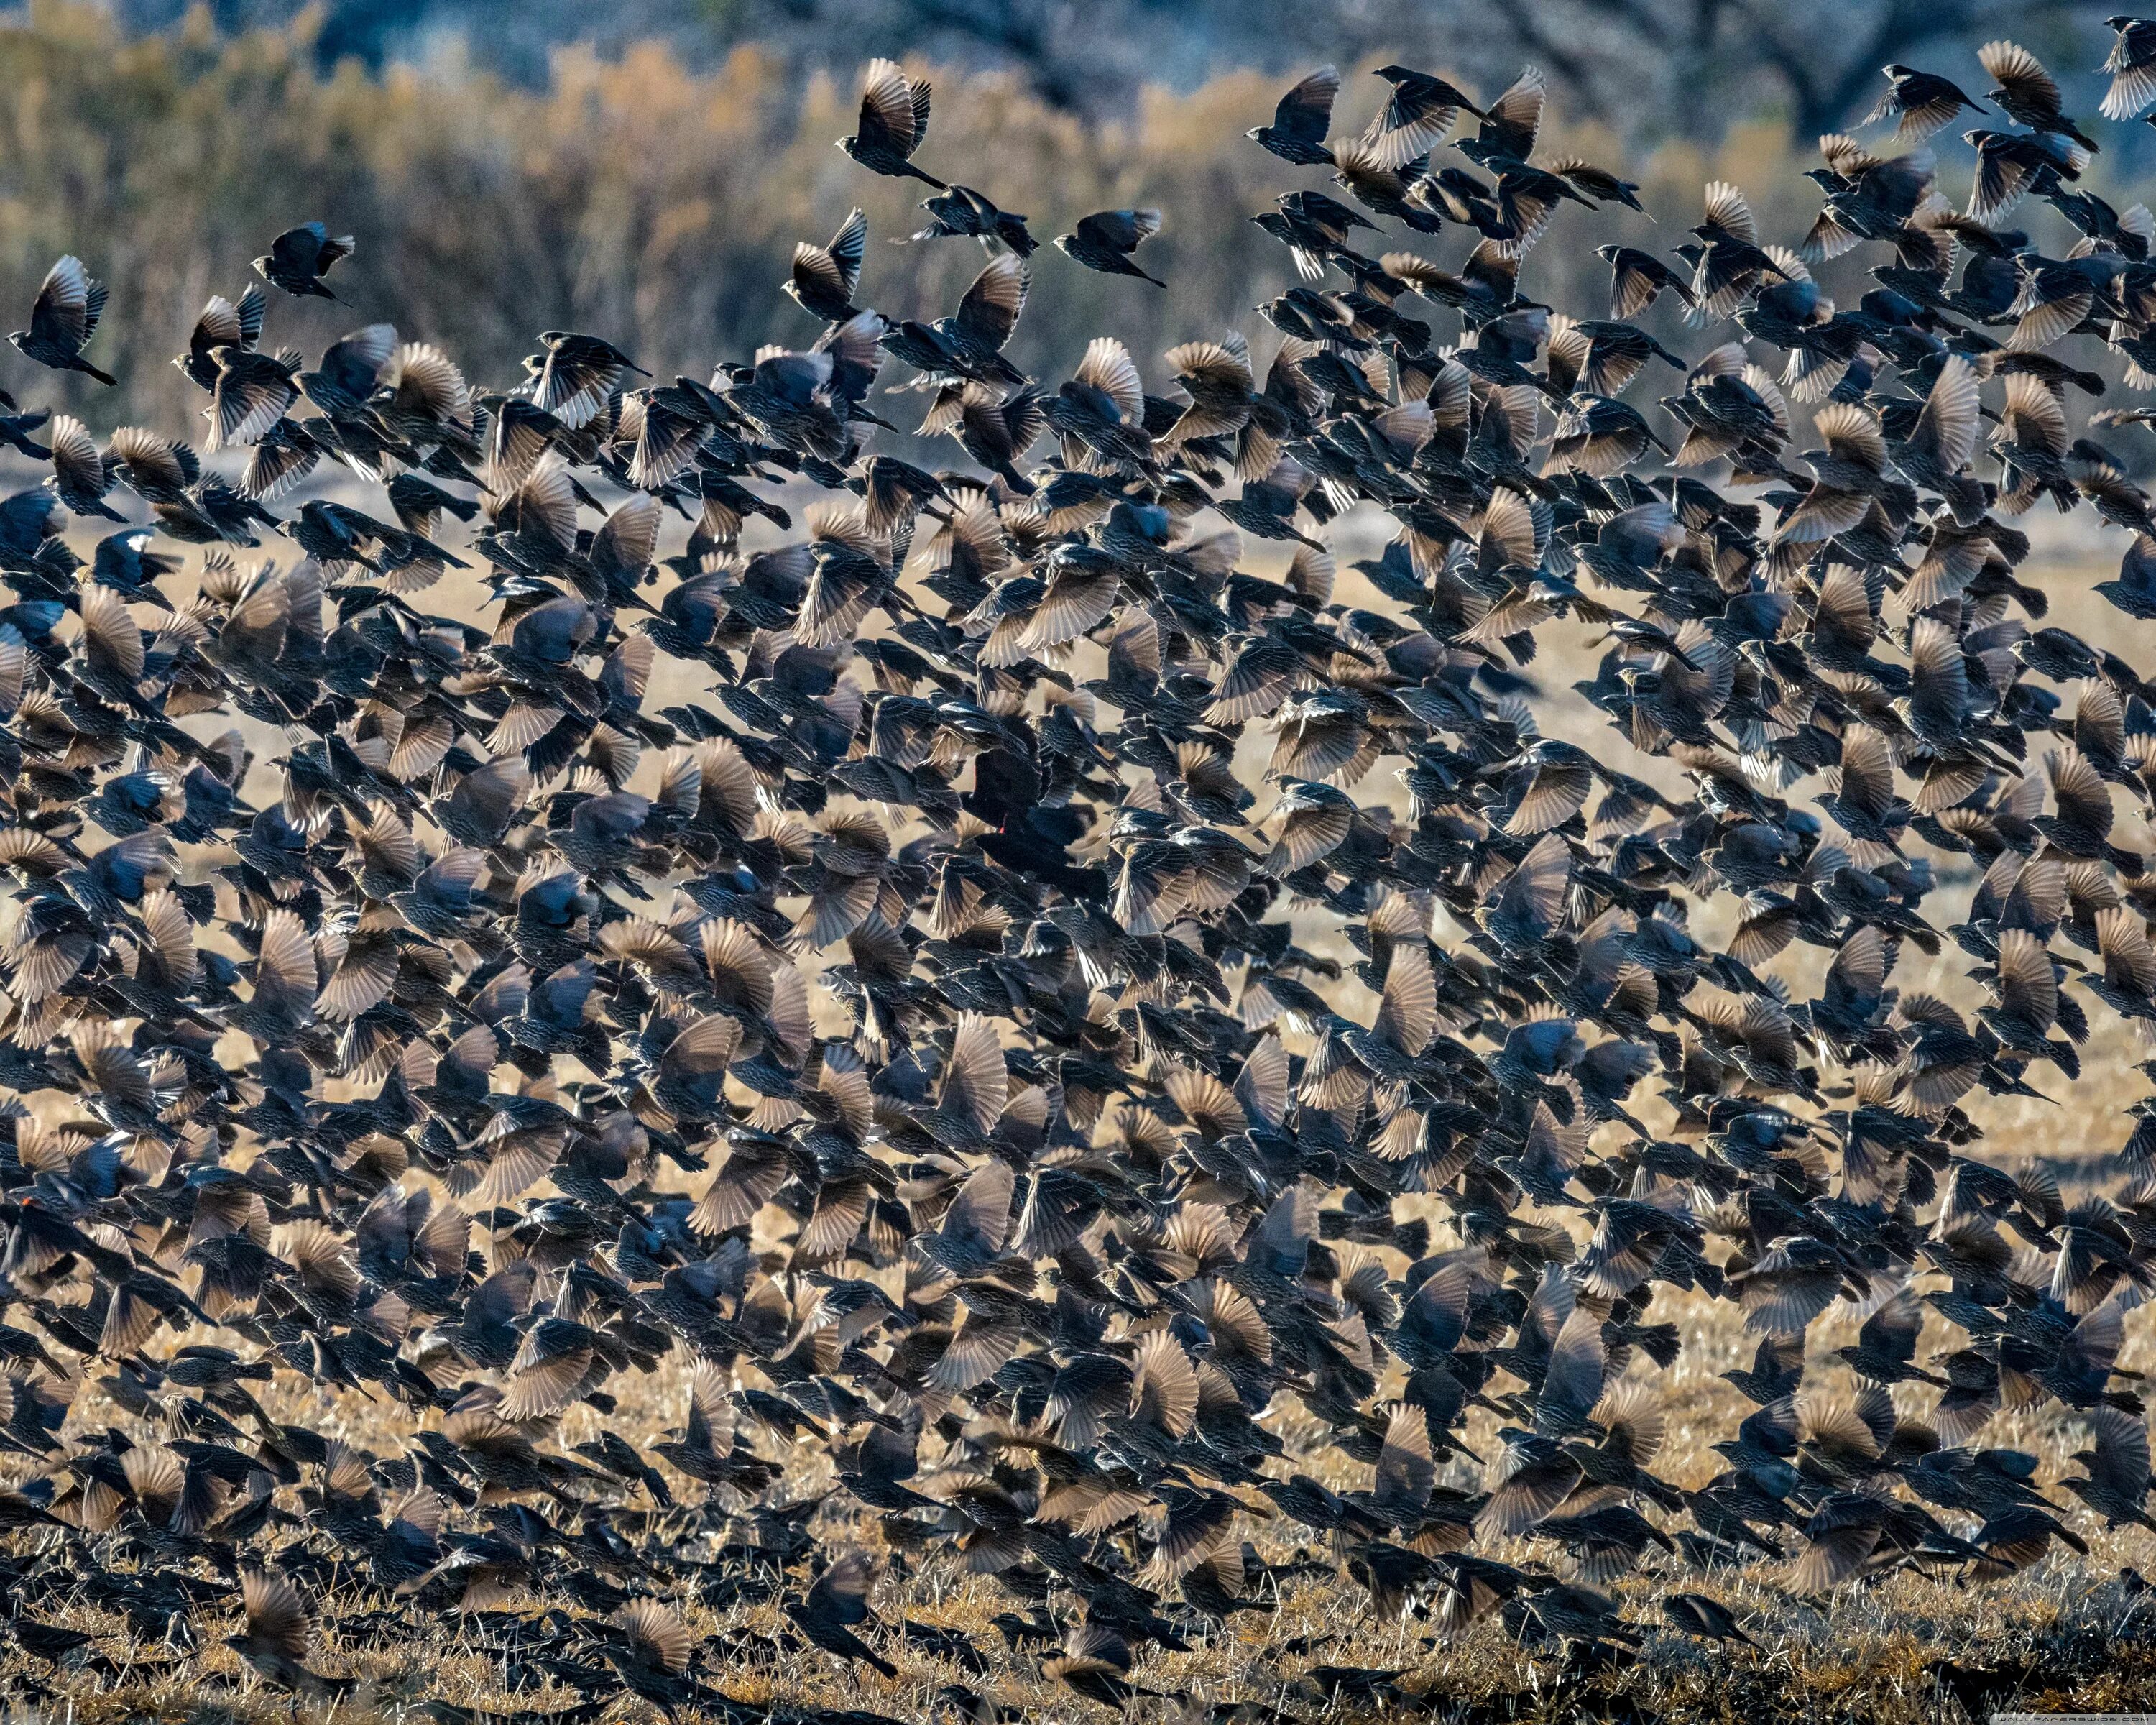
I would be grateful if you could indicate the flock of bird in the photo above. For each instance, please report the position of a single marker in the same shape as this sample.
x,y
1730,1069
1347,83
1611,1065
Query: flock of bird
x,y
926,1062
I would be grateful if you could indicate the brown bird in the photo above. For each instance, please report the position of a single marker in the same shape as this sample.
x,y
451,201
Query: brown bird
x,y
279,1637
69,303
894,121
837,1602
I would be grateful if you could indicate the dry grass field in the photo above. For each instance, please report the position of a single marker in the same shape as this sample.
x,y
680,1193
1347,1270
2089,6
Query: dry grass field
x,y
2062,1635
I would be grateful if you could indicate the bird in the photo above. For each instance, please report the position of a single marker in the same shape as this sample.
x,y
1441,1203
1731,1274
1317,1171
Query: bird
x,y
2131,63
1300,120
649,1651
1093,1666
894,121
69,302
824,277
1637,277
961,211
2027,93
1920,103
82,474
1105,240
1697,1614
2116,1486
837,1602
299,258
278,1638
221,324
1421,111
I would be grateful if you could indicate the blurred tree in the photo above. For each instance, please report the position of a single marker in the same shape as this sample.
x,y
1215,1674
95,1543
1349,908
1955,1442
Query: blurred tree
x,y
1649,68
1822,60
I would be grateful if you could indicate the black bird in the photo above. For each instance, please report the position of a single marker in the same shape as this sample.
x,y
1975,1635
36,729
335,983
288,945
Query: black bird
x,y
1697,1614
894,121
69,304
1301,120
2028,95
299,258
649,1647
1103,241
962,213
1419,116
280,1637
1637,278
824,277
221,324
840,1600
2116,1486
2131,63
1920,103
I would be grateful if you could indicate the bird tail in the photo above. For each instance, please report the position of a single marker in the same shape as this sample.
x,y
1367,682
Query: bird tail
x,y
105,377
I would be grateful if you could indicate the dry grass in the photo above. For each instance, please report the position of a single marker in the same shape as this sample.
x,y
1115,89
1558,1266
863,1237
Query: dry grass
x,y
1870,1653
